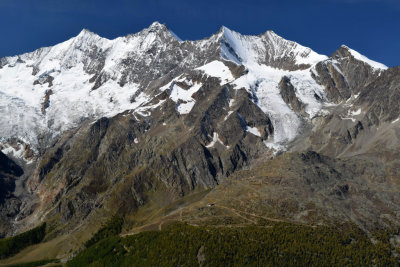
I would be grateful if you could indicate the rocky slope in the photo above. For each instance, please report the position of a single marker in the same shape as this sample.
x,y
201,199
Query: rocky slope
x,y
136,124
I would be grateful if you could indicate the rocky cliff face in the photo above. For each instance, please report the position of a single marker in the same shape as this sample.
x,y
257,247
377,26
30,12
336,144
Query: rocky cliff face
x,y
135,124
9,203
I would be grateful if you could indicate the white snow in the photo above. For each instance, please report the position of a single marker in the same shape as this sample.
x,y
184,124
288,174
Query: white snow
x,y
275,147
227,116
215,140
334,64
185,108
145,110
306,89
302,55
355,113
218,69
18,152
263,81
372,63
183,97
241,45
252,49
253,130
351,114
72,99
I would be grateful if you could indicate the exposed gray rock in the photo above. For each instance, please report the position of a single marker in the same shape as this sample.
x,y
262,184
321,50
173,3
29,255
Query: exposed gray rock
x,y
289,95
333,80
3,62
44,79
381,98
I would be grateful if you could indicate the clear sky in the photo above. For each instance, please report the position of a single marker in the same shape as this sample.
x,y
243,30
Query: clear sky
x,y
371,27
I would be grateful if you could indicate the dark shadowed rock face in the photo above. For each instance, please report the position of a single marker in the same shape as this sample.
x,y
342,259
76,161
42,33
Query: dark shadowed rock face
x,y
9,204
289,96
9,167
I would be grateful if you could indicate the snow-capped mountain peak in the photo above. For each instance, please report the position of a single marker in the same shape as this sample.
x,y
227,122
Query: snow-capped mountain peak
x,y
52,89
86,32
157,25
282,48
269,49
375,65
236,47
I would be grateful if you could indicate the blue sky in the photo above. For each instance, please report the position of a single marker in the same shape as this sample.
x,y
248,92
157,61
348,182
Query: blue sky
x,y
371,27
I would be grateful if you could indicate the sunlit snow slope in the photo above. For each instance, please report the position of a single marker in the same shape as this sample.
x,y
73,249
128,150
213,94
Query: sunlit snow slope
x,y
53,89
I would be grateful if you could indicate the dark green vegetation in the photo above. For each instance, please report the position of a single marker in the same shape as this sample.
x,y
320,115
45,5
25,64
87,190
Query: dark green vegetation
x,y
112,228
36,263
275,245
12,245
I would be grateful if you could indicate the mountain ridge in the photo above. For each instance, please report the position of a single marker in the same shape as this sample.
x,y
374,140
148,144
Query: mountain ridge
x,y
137,124
86,39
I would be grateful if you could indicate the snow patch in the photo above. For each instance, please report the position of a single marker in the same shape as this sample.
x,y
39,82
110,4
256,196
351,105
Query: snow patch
x,y
352,114
143,109
355,113
253,130
217,69
275,147
215,140
334,64
18,152
183,97
227,116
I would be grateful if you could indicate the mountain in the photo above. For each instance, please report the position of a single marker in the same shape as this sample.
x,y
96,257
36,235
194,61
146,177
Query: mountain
x,y
149,126
111,76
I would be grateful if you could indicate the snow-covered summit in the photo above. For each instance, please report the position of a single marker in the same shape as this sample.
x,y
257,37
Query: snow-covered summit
x,y
375,65
268,48
280,47
51,90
